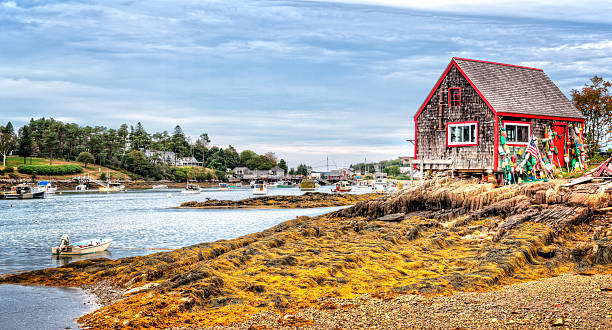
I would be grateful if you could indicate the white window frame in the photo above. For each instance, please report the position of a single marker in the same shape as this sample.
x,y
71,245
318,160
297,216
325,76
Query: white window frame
x,y
450,143
528,125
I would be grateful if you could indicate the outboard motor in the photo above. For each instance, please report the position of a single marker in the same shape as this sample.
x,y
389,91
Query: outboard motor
x,y
65,243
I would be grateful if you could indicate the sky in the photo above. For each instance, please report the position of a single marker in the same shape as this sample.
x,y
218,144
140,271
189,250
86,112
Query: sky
x,y
303,79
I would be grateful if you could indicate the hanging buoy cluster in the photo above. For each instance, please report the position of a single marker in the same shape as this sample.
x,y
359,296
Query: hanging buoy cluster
x,y
526,164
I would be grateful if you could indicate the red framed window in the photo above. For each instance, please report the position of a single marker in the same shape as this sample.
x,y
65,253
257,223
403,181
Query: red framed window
x,y
454,96
518,132
462,134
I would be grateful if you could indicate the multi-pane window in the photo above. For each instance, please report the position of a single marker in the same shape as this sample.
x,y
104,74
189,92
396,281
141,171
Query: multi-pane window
x,y
462,134
518,133
454,96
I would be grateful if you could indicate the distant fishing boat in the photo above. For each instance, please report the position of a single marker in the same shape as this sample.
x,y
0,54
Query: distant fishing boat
x,y
343,186
260,188
286,184
82,247
46,187
22,191
223,186
112,187
379,186
191,188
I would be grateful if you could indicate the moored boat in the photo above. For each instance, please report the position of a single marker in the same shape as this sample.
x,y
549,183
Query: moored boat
x,y
286,184
159,187
46,187
191,188
82,247
223,186
343,186
379,186
260,188
112,187
22,191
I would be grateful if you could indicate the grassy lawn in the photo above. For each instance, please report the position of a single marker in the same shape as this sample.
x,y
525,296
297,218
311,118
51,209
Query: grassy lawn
x,y
92,169
15,161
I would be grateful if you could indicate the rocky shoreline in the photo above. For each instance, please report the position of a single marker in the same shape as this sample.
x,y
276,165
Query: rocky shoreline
x,y
444,237
307,200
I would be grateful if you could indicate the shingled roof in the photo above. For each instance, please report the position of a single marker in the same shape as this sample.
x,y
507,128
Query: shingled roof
x,y
517,89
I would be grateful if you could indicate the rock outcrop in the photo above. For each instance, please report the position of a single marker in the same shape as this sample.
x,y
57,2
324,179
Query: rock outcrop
x,y
307,200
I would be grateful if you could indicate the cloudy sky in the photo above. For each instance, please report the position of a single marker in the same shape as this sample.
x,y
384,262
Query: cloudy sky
x,y
303,79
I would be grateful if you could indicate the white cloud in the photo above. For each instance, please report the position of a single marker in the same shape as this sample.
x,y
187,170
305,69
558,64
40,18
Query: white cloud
x,y
9,4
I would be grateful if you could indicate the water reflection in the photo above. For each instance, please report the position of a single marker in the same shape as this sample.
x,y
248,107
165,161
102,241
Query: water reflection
x,y
64,260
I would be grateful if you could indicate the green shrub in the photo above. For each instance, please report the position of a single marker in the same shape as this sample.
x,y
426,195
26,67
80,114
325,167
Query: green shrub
x,y
50,169
9,169
2,172
13,175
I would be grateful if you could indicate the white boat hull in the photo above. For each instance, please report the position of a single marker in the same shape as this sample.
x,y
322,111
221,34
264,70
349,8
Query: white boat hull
x,y
190,191
75,249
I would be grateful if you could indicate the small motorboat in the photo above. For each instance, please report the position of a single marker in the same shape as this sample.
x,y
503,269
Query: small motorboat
x,y
260,188
342,186
112,187
286,184
223,186
191,188
81,187
46,187
82,247
159,187
23,191
380,186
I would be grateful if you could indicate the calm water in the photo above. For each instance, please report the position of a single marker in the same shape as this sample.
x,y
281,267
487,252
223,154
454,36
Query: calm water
x,y
136,221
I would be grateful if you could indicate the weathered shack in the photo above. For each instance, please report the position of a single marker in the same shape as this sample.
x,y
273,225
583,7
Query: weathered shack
x,y
459,120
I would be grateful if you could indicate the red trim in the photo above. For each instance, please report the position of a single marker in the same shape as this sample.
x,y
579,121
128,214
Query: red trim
x,y
434,89
463,144
451,100
520,115
517,144
450,65
559,123
416,131
475,88
512,65
496,143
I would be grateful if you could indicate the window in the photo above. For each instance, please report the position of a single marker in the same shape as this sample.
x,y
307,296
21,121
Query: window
x,y
462,134
518,132
454,97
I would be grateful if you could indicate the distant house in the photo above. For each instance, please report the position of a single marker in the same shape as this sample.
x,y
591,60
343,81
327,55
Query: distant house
x,y
460,119
242,171
170,158
188,161
157,156
277,172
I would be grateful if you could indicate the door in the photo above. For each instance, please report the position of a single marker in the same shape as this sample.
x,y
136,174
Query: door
x,y
559,141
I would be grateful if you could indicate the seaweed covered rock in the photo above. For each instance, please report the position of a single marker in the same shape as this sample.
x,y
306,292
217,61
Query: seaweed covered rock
x,y
307,200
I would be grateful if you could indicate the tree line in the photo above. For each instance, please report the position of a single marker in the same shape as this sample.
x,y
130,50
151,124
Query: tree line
x,y
123,148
